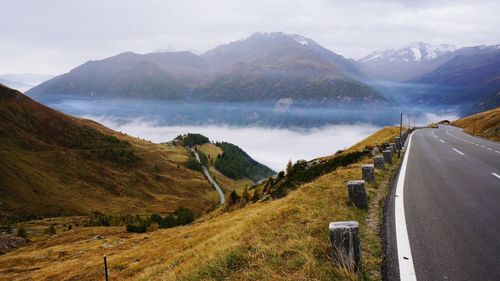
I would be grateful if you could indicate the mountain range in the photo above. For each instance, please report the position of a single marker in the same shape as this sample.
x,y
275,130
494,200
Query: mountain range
x,y
409,62
269,67
262,67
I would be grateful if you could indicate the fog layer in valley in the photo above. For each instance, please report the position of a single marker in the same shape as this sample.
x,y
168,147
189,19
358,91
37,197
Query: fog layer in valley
x,y
270,146
270,133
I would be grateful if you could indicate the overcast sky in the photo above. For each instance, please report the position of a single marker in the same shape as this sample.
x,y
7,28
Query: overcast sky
x,y
55,36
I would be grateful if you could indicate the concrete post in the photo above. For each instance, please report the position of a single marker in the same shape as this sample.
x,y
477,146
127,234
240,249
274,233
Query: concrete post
x,y
378,162
346,246
368,172
357,193
393,147
387,156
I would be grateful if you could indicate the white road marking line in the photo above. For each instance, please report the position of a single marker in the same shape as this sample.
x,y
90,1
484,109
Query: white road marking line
x,y
441,140
497,151
496,175
405,260
458,151
483,146
490,148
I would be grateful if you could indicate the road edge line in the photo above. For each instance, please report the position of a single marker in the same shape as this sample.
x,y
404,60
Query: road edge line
x,y
405,259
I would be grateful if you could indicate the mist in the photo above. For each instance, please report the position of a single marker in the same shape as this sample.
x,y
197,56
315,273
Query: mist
x,y
270,146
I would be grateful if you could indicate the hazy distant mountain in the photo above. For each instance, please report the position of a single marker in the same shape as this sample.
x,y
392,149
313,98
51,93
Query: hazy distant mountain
x,y
472,80
15,85
272,66
32,79
262,67
154,75
412,61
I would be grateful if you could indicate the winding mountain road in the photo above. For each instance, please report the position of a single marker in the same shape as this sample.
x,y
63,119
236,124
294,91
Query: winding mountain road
x,y
210,179
443,218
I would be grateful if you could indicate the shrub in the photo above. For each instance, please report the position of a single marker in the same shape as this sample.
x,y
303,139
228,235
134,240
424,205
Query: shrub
x,y
51,230
168,221
193,164
184,216
155,218
21,231
141,228
234,198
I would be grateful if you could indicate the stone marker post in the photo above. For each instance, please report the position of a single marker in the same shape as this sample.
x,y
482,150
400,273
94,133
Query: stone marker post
x,y
387,156
368,172
346,248
378,162
357,193
393,147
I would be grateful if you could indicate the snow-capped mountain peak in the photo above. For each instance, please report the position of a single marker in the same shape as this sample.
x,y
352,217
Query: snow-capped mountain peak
x,y
415,52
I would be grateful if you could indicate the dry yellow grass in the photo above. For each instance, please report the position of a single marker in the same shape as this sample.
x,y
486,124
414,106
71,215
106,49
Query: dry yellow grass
x,y
210,149
285,239
50,164
485,124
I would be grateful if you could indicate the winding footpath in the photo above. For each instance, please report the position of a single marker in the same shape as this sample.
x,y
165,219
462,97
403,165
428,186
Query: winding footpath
x,y
210,179
443,221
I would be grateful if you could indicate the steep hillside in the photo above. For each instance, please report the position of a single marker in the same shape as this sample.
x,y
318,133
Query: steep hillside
x,y
485,124
236,164
53,164
280,239
226,158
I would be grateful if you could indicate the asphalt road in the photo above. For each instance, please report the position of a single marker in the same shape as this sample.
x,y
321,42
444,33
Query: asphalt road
x,y
210,179
452,209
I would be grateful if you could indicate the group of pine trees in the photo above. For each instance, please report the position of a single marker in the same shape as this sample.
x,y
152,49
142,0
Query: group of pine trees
x,y
140,224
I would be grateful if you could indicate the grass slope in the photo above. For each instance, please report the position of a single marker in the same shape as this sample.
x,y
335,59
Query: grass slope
x,y
485,124
284,239
51,164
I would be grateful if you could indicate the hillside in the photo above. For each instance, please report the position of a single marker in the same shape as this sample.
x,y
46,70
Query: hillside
x,y
281,239
226,159
485,124
54,164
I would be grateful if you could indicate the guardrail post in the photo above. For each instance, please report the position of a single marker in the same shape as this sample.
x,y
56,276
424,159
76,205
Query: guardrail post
x,y
368,172
357,193
387,156
378,162
346,246
106,268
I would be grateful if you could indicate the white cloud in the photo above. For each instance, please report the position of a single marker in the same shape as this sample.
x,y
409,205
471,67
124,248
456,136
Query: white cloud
x,y
55,36
270,146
